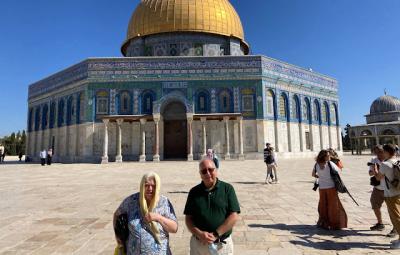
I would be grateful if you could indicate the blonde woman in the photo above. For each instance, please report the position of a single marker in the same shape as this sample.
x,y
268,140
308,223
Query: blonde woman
x,y
151,218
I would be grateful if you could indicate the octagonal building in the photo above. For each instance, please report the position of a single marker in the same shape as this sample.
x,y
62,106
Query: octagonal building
x,y
185,83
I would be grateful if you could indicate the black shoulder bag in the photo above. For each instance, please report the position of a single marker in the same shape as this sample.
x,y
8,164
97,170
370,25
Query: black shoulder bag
x,y
339,185
121,229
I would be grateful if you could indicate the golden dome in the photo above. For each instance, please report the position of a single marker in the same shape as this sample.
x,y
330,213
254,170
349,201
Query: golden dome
x,y
165,16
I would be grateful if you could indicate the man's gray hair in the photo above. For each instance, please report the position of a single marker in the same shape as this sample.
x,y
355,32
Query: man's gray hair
x,y
204,160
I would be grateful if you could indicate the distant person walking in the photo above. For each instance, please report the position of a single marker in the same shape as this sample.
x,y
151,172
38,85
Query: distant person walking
x,y
20,156
4,155
1,152
332,215
43,155
211,155
49,156
270,161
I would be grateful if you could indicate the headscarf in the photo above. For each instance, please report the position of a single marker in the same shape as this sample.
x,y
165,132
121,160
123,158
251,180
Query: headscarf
x,y
144,207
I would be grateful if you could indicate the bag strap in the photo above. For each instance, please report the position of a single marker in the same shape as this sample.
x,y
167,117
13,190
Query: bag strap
x,y
387,182
315,169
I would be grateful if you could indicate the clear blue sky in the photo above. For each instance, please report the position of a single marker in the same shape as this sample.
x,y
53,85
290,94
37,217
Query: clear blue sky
x,y
355,41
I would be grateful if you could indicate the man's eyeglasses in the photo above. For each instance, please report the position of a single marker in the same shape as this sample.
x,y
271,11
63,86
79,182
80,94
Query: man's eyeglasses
x,y
205,170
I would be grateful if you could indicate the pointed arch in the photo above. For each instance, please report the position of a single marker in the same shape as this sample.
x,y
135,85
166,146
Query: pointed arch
x,y
317,112
148,97
225,100
45,111
283,107
307,110
296,110
52,114
271,104
102,105
70,110
124,102
203,102
60,113
326,114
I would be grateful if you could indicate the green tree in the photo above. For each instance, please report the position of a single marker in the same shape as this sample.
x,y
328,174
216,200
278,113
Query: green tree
x,y
346,138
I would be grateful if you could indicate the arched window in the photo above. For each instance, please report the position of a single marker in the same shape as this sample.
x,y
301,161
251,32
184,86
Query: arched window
x,y
60,115
125,103
296,107
283,109
70,110
316,112
147,102
326,113
388,132
203,102
102,102
366,133
37,118
45,111
334,115
225,101
30,120
307,110
52,114
270,101
80,108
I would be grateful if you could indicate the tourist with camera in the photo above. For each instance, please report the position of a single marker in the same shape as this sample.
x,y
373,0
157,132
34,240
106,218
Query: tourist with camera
x,y
386,174
332,215
377,195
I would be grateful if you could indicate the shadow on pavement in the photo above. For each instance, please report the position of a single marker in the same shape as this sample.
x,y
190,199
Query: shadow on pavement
x,y
249,183
310,236
178,192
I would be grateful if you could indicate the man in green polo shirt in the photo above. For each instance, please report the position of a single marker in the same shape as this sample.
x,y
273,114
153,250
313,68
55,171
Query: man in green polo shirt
x,y
211,212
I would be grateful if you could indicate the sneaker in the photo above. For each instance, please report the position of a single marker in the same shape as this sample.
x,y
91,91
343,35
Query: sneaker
x,y
377,227
395,245
276,182
392,233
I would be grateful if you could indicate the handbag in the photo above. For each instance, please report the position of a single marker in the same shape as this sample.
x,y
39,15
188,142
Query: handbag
x,y
339,185
119,250
121,230
374,182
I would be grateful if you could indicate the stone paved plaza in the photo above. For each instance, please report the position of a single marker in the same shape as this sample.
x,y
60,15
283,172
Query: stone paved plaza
x,y
67,209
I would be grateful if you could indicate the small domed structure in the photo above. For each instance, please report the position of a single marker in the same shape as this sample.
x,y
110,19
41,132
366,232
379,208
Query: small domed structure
x,y
384,109
384,104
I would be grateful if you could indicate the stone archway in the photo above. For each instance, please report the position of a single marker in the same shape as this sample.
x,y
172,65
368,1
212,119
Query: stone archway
x,y
175,130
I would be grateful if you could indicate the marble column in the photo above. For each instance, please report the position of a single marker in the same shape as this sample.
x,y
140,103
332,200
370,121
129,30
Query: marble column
x,y
241,153
104,159
203,122
142,157
398,140
339,138
377,140
190,137
330,136
156,156
276,133
227,154
301,132
118,157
